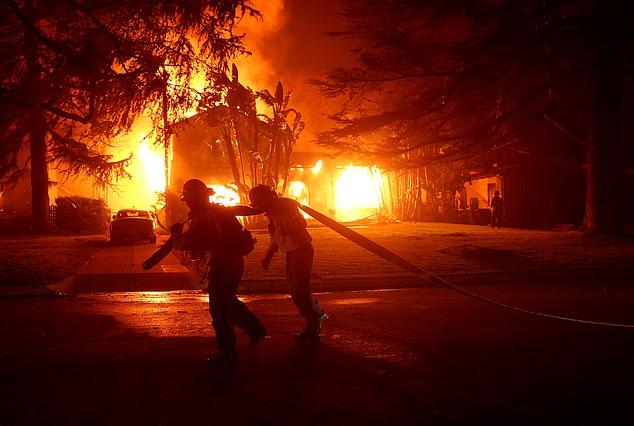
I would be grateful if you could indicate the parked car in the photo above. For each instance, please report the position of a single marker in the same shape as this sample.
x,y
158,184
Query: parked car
x,y
132,224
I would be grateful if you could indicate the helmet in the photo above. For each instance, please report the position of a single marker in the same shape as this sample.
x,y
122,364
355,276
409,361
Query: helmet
x,y
259,193
195,189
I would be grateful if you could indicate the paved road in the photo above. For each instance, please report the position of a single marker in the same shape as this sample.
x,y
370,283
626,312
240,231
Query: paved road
x,y
413,356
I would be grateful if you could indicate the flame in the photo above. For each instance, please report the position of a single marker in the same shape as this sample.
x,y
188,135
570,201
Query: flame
x,y
147,175
356,188
153,164
317,167
358,192
261,69
225,194
298,190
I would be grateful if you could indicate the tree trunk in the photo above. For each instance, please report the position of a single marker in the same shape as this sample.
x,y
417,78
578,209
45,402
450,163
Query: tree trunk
x,y
166,136
277,155
37,136
286,166
256,145
231,154
604,197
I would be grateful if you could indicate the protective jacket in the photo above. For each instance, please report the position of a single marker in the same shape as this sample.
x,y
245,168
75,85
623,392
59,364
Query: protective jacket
x,y
496,203
287,226
212,228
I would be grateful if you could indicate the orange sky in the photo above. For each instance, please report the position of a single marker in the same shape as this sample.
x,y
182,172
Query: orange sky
x,y
289,45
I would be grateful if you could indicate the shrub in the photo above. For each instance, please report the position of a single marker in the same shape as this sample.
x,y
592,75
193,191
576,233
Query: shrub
x,y
81,215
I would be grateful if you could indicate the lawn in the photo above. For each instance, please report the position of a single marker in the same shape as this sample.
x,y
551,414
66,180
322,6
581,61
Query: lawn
x,y
42,260
453,248
440,248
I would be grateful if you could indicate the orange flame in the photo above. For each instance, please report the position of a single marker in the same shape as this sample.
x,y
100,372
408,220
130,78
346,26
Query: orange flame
x,y
298,191
317,167
358,192
153,165
225,194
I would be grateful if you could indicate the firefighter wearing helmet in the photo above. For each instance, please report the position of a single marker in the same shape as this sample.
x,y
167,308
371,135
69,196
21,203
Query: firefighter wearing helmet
x,y
287,228
214,228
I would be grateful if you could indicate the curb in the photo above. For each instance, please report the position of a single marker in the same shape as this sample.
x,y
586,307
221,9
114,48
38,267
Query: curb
x,y
89,283
28,291
357,283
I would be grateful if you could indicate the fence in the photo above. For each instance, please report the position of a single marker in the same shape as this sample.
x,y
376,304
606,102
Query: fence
x,y
52,219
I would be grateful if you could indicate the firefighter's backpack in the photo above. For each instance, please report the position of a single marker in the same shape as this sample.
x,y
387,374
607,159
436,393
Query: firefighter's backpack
x,y
246,242
233,234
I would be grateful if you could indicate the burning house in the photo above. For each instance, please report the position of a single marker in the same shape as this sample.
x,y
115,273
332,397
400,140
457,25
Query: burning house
x,y
210,146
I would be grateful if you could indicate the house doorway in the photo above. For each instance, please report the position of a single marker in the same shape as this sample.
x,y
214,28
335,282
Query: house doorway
x,y
490,191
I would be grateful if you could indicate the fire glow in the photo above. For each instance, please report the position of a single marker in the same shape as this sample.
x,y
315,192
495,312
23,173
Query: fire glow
x,y
358,188
317,167
147,171
153,168
297,190
224,194
350,193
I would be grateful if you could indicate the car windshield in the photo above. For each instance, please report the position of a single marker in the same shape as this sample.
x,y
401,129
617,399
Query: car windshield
x,y
133,213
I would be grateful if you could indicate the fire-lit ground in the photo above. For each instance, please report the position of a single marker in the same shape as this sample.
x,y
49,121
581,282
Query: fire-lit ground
x,y
408,356
460,252
417,356
452,250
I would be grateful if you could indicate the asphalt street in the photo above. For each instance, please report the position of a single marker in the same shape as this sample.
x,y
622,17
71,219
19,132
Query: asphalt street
x,y
410,356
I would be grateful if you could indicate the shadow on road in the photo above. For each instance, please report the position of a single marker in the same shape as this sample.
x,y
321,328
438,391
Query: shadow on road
x,y
69,362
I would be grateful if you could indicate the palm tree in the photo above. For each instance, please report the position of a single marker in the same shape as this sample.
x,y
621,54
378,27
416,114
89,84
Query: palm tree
x,y
282,133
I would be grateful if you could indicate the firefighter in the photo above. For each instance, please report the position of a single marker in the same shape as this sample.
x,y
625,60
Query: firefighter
x,y
214,228
288,232
497,210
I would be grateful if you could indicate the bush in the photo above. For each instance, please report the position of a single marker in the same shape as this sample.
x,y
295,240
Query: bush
x,y
80,215
15,225
480,217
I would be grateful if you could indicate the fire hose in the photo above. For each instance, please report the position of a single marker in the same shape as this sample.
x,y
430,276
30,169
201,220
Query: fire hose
x,y
395,259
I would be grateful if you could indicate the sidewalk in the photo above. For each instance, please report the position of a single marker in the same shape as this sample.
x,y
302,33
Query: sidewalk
x,y
118,268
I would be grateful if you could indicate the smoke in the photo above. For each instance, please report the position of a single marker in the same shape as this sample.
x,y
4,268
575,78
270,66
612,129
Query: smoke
x,y
289,45
265,39
286,44
262,69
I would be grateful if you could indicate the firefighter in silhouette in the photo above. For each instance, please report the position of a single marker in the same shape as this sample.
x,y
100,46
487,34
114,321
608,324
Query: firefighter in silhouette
x,y
497,210
288,232
214,228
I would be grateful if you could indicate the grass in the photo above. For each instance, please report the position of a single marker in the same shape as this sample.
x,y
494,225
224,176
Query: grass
x,y
453,248
437,247
41,260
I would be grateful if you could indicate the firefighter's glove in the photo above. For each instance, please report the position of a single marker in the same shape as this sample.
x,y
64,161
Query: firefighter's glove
x,y
266,261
